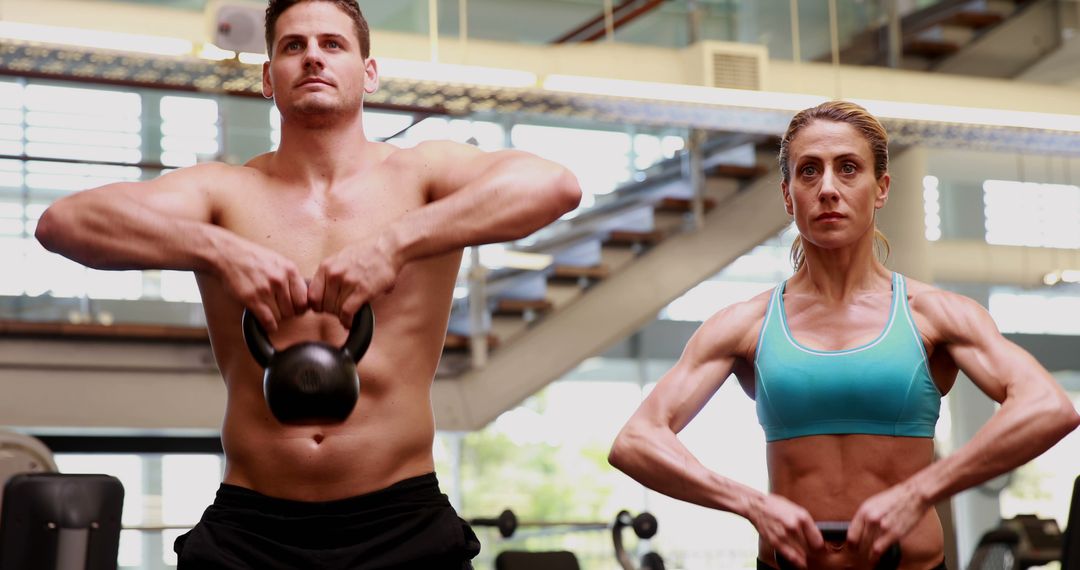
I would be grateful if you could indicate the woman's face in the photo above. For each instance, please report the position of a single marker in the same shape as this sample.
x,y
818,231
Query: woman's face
x,y
832,192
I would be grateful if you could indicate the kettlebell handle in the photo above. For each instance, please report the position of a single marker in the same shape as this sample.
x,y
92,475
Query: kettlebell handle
x,y
356,344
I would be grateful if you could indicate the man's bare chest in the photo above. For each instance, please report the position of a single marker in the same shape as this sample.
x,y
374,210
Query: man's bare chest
x,y
308,226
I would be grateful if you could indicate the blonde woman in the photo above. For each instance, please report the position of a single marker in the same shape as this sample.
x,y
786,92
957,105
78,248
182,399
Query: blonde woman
x,y
847,362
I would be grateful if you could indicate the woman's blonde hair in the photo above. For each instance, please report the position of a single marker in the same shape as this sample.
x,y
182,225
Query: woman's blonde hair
x,y
868,126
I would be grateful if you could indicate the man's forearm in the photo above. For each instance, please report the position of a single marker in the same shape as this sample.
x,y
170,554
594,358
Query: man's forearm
x,y
512,200
123,234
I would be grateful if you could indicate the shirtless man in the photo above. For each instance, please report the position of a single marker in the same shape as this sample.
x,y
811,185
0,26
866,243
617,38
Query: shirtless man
x,y
364,222
847,362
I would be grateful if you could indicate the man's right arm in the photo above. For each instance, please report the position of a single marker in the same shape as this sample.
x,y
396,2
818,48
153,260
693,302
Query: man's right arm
x,y
167,223
159,224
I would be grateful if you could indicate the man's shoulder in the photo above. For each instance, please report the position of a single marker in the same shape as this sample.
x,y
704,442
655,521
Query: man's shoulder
x,y
212,169
433,152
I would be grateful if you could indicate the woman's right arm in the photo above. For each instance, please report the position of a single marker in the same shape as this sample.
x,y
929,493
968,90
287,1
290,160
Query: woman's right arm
x,y
648,450
167,223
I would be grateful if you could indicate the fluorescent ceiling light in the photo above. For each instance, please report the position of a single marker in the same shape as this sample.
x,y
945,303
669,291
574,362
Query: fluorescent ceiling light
x,y
253,58
971,115
156,45
214,53
453,73
792,102
680,93
1062,276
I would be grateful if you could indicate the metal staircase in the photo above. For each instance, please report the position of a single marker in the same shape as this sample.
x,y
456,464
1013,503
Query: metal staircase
x,y
611,269
987,38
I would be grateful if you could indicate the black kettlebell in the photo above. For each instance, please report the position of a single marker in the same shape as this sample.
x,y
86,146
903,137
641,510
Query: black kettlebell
x,y
311,381
836,531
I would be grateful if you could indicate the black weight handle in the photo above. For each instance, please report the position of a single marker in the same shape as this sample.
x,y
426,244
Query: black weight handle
x,y
507,523
356,344
836,531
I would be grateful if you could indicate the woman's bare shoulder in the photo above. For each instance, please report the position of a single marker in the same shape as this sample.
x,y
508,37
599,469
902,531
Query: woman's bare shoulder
x,y
737,325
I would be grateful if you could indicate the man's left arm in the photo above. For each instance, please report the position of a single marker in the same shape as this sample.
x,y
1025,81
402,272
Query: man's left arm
x,y
1035,413
473,198
477,197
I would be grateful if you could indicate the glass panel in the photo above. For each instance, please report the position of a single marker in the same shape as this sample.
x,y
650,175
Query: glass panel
x,y
599,159
93,102
1032,214
1034,312
83,122
180,286
11,95
190,130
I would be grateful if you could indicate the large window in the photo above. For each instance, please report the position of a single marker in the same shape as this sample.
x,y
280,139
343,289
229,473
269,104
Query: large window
x,y
64,133
1032,214
1035,312
190,130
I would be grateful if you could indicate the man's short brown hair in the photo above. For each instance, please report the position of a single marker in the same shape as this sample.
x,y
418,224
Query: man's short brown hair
x,y
276,7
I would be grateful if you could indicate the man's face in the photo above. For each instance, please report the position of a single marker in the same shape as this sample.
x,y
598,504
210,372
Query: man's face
x,y
316,70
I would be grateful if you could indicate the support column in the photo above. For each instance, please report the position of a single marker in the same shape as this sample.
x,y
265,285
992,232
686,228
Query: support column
x,y
901,220
976,510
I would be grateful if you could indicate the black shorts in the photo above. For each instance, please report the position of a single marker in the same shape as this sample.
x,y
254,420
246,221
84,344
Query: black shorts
x,y
407,525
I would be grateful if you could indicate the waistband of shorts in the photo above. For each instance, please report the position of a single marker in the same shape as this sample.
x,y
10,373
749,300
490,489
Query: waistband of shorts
x,y
761,565
420,490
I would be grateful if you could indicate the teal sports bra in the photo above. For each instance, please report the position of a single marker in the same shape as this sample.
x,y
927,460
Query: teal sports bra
x,y
880,388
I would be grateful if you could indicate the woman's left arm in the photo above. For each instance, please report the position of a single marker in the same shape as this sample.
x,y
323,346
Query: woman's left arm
x,y
1035,413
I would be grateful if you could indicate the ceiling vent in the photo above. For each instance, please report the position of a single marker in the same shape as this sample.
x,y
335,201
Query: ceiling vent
x,y
728,65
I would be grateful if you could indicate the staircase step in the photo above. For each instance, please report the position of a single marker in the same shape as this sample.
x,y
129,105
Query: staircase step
x,y
624,237
669,222
736,171
975,19
682,205
462,342
577,272
931,48
519,306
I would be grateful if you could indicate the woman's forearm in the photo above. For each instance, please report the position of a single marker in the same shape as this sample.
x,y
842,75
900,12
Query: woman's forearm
x,y
658,460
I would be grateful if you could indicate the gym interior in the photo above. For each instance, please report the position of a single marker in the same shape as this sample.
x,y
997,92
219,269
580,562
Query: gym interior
x,y
669,113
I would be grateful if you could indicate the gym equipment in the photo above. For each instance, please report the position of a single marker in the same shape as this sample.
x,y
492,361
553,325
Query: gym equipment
x,y
836,532
1070,541
520,560
644,526
506,522
54,521
311,381
1020,542
21,453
